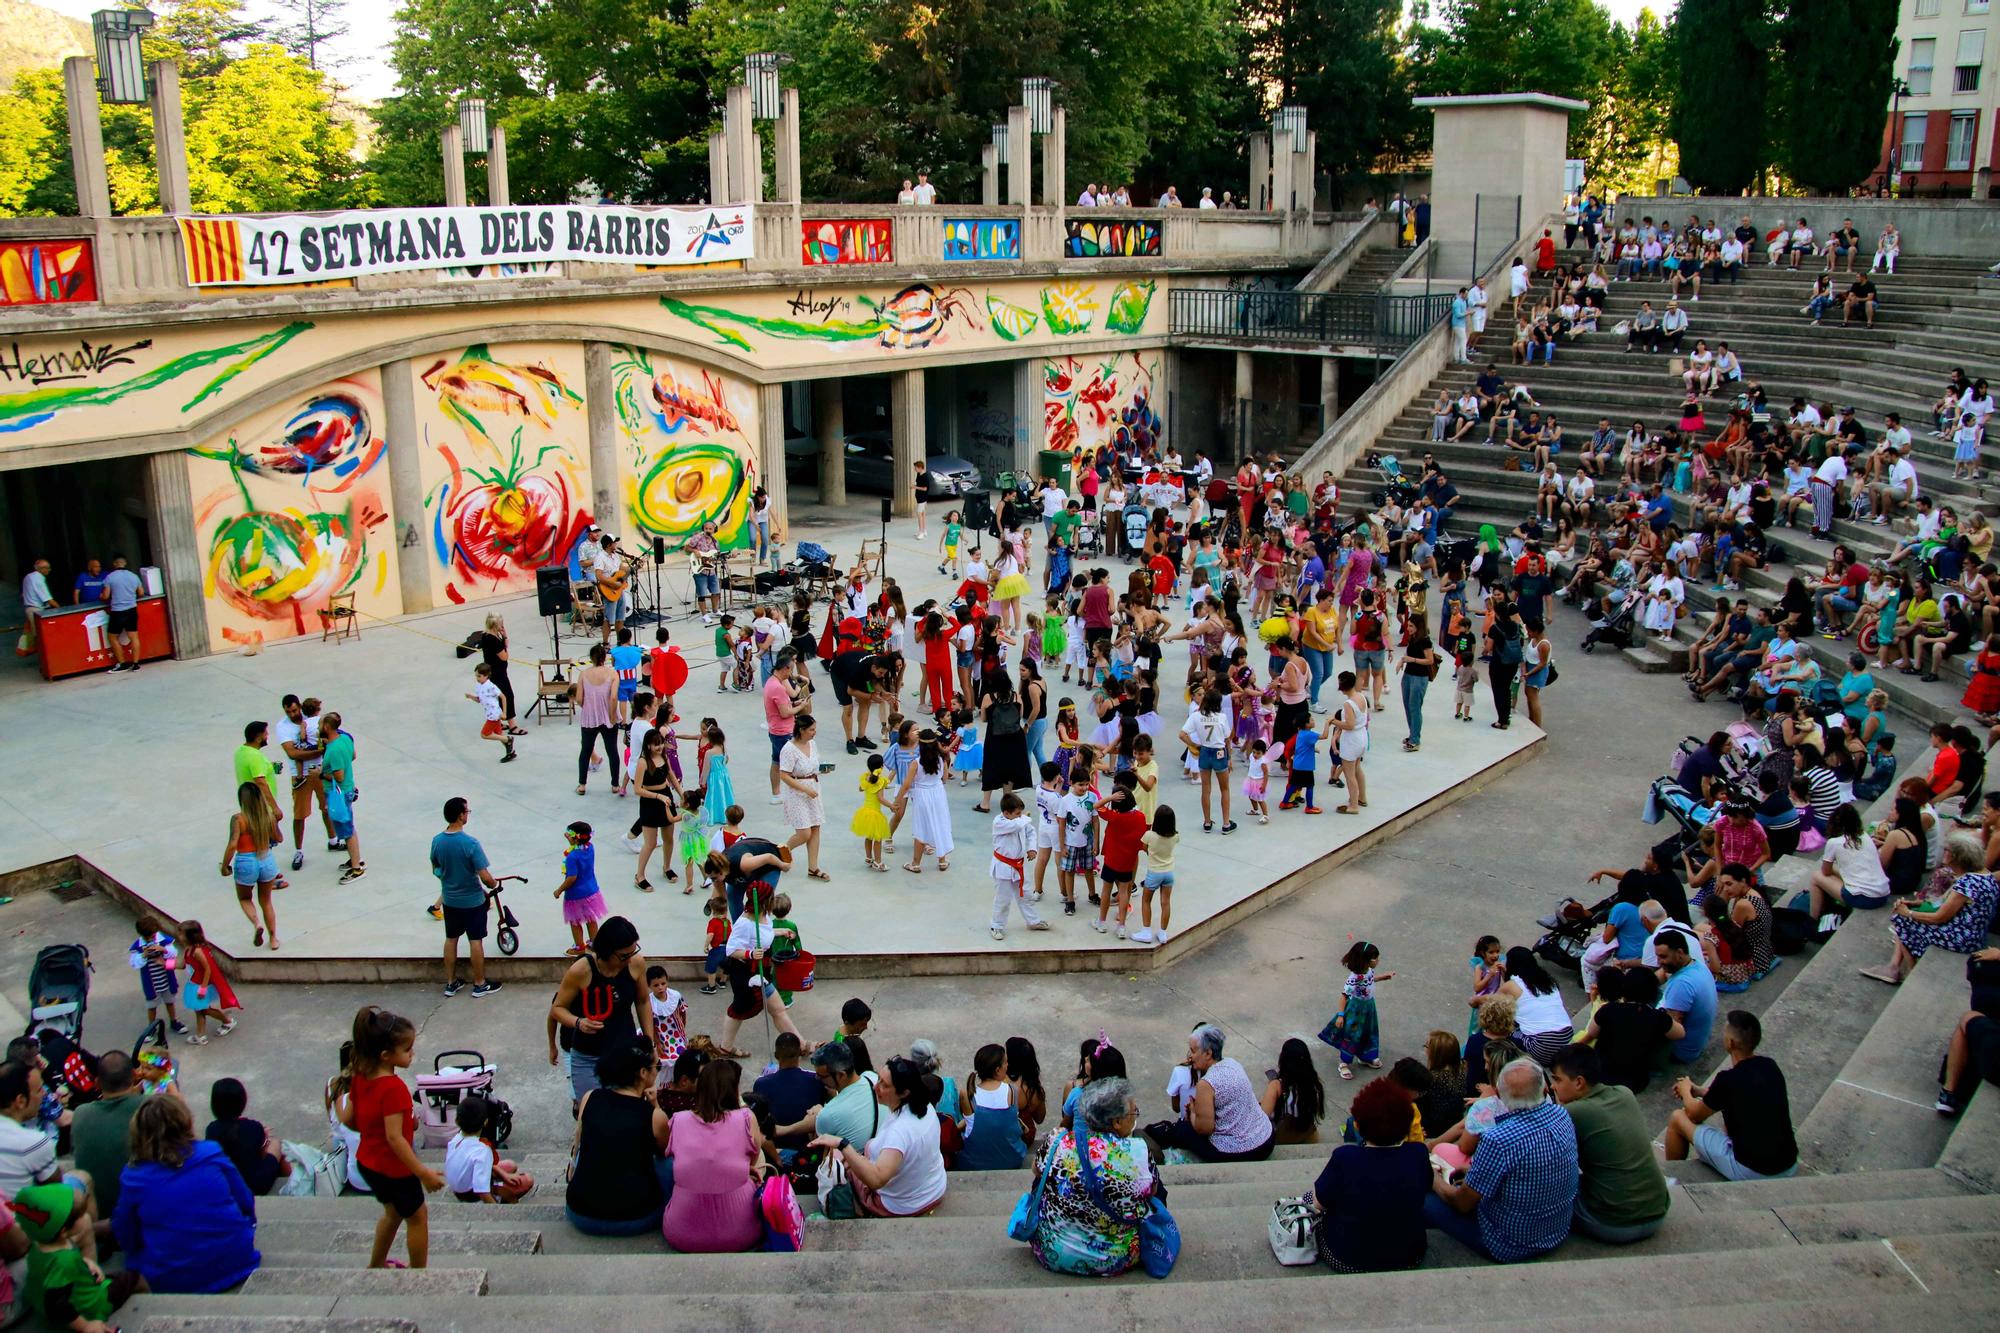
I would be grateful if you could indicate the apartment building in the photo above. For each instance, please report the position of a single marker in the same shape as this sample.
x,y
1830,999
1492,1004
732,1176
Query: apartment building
x,y
1942,126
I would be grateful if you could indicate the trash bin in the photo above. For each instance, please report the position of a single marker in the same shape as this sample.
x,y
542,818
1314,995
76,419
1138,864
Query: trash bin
x,y
1053,463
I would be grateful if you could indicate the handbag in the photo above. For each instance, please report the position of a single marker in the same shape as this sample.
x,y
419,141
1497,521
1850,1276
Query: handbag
x,y
1293,1243
1159,1234
1027,1214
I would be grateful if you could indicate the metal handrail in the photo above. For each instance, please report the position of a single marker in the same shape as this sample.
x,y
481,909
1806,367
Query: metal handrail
x,y
1321,319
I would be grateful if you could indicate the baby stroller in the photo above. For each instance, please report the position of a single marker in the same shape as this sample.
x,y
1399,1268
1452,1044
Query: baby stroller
x,y
1615,630
59,990
1089,537
439,1091
1568,931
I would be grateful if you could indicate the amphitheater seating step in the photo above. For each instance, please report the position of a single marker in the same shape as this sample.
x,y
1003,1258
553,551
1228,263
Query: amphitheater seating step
x,y
1972,1152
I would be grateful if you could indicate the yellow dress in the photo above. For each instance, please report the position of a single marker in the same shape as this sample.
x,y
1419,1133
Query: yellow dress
x,y
870,822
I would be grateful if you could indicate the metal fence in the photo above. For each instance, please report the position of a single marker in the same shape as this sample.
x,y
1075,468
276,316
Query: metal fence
x,y
1320,319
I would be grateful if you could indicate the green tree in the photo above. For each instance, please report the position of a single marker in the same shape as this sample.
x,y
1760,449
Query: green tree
x,y
201,34
1832,91
1628,132
1719,100
1561,47
307,26
34,147
260,138
1338,59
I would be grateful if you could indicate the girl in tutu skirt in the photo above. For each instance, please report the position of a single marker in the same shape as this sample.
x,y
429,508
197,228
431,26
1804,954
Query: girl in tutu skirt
x,y
694,831
718,792
1066,736
971,754
1257,786
871,822
583,903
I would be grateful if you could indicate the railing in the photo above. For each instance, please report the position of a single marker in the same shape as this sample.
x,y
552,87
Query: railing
x,y
1382,322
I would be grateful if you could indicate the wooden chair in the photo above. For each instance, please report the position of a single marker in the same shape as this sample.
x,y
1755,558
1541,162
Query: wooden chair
x,y
821,584
552,690
338,619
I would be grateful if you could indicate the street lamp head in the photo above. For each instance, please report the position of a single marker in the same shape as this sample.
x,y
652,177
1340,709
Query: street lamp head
x,y
1039,96
121,63
472,124
760,73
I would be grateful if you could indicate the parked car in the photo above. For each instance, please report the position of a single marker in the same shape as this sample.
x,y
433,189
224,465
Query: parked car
x,y
870,464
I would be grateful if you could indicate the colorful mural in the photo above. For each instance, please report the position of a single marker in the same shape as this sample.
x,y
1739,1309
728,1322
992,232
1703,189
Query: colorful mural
x,y
923,315
52,375
688,436
505,464
1093,240
47,272
1092,403
294,507
982,238
847,241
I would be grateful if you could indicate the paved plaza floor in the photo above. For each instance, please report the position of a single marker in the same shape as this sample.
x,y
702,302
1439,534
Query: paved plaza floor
x,y
132,772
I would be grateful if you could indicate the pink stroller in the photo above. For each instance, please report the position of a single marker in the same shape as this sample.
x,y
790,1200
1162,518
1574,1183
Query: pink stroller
x,y
439,1091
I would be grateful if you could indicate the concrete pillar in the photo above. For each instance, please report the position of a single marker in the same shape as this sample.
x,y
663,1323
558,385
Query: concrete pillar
x,y
452,144
1166,393
1054,153
497,194
1504,146
786,188
830,429
771,452
1020,158
718,169
406,485
86,138
989,176
1329,391
600,411
1309,185
1260,171
1246,391
746,161
169,141
907,437
1030,389
170,511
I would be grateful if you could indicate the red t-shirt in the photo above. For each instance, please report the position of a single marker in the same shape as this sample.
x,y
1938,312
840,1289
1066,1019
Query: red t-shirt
x,y
1097,606
1944,768
718,932
1122,831
375,1100
1163,574
777,694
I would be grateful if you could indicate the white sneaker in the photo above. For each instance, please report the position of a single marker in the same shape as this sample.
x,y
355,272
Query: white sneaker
x,y
1039,925
1097,924
1160,935
996,932
632,844
775,800
1141,936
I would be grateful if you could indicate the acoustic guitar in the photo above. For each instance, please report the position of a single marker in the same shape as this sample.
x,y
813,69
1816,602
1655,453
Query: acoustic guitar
x,y
612,586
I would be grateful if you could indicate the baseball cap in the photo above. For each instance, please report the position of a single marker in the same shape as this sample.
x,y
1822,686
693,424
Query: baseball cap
x,y
44,1210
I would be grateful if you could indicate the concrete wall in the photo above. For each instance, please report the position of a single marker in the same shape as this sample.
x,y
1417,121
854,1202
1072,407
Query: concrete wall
x,y
1497,150
1947,228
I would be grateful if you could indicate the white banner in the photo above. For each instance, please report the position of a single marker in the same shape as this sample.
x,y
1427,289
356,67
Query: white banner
x,y
316,247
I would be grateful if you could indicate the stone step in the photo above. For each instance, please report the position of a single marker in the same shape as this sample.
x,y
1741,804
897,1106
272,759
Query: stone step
x,y
1599,1288
1972,1152
353,1234
309,1279
1821,1190
1877,1113
263,1323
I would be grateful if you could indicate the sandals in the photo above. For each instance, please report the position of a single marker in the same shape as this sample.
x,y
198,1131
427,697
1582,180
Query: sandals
x,y
643,885
1347,1072
810,874
914,870
944,864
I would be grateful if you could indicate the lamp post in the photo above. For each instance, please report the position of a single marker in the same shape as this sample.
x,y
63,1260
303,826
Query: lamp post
x,y
1292,120
1000,144
121,63
1899,90
472,125
1039,96
760,73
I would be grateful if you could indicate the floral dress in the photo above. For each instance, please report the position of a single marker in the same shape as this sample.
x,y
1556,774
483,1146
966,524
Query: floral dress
x,y
1356,1032
1074,1232
1964,933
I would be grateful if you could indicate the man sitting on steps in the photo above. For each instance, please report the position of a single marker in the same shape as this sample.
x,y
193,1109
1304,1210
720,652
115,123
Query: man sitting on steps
x,y
1755,1141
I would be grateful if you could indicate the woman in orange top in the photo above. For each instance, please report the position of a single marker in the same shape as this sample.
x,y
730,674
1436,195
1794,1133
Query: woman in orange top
x,y
247,853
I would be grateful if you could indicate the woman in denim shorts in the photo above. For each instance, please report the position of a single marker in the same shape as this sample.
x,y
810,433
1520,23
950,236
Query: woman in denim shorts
x,y
248,857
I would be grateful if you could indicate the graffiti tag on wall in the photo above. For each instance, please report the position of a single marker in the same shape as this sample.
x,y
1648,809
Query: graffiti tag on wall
x,y
982,238
47,272
848,241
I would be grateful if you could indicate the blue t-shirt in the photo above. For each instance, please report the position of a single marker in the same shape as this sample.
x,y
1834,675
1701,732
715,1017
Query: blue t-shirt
x,y
457,859
580,864
1631,931
124,587
1859,684
1690,992
1305,751
1659,512
89,588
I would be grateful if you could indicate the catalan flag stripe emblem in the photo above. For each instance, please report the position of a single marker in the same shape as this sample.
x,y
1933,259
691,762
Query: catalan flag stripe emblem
x,y
214,249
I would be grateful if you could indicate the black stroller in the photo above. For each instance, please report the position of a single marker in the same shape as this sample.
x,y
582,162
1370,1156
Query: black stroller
x,y
59,990
1568,931
1614,631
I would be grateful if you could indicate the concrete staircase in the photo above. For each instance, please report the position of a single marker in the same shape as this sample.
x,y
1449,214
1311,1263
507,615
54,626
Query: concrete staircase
x,y
1935,313
1367,274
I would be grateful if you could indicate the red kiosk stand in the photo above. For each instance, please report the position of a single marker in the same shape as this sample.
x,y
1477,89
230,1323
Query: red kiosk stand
x,y
75,639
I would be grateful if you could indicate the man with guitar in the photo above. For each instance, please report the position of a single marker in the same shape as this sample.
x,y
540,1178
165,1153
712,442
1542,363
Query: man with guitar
x,y
706,554
612,573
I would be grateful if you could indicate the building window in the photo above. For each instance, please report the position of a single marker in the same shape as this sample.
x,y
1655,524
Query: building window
x,y
1913,141
1971,6
1971,55
1927,9
1958,148
1923,56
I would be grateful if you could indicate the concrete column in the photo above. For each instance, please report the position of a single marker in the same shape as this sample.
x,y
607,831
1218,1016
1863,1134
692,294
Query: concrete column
x,y
908,441
1260,171
86,138
1308,189
746,161
1246,391
170,511
989,176
830,428
452,144
1166,393
786,188
771,452
1020,158
718,169
1054,172
169,142
1329,391
406,485
1030,388
497,194
600,411
1500,145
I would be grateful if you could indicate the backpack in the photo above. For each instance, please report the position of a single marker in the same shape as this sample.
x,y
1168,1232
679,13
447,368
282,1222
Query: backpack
x,y
784,1224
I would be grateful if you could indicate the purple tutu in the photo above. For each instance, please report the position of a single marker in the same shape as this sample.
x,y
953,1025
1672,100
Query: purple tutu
x,y
581,911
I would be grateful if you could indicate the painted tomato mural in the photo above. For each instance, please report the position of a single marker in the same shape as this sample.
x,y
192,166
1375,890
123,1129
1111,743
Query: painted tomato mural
x,y
491,525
